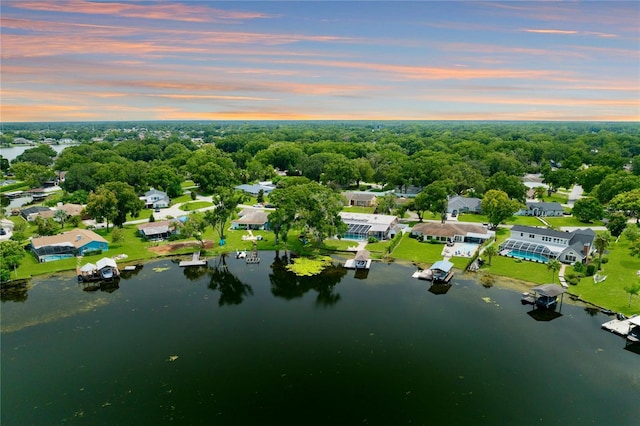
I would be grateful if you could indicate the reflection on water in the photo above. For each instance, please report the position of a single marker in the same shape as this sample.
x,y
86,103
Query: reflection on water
x,y
264,350
290,286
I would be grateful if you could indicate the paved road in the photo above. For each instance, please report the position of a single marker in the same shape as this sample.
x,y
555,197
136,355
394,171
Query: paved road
x,y
575,194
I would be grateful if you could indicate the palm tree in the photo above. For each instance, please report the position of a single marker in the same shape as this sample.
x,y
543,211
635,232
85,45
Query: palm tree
x,y
490,251
600,243
633,290
554,266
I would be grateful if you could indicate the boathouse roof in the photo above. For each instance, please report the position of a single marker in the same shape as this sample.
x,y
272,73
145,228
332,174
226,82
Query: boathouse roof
x,y
549,290
442,265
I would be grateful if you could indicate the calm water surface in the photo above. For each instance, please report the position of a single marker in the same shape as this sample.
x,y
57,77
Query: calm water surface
x,y
245,345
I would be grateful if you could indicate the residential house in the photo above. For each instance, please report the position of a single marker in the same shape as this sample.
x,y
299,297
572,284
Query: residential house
x,y
68,244
251,219
543,244
458,204
159,230
454,232
31,213
254,189
361,226
360,199
71,209
156,199
541,209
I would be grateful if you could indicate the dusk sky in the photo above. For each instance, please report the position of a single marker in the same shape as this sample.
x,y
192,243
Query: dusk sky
x,y
81,60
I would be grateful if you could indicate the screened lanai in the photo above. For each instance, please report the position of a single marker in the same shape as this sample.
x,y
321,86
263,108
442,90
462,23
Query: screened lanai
x,y
357,231
526,250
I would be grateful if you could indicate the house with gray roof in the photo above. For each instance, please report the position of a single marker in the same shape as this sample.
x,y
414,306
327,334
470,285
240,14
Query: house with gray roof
x,y
361,226
541,209
156,199
543,244
458,204
254,189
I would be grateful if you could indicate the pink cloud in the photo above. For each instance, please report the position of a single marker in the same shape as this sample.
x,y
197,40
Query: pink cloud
x,y
166,11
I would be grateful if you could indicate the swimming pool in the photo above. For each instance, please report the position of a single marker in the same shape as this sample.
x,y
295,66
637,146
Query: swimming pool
x,y
532,257
52,257
466,249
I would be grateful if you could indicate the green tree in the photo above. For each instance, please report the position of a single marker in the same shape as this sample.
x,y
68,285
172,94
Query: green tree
x,y
588,209
42,155
539,192
592,176
211,169
554,266
117,235
511,185
386,203
628,202
601,242
226,201
617,223
490,251
81,176
632,290
45,226
310,206
102,204
195,226
165,178
33,175
11,254
497,206
61,216
560,178
127,201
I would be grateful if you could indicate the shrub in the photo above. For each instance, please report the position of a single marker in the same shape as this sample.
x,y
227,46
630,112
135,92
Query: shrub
x,y
591,269
579,267
604,260
92,252
572,280
372,240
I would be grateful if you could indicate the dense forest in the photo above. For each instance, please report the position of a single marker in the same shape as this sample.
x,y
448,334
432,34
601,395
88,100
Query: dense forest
x,y
467,157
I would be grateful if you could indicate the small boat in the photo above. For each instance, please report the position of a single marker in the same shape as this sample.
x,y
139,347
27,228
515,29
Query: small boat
x,y
241,254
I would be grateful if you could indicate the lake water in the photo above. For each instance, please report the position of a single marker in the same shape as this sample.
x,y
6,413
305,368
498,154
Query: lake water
x,y
253,344
11,153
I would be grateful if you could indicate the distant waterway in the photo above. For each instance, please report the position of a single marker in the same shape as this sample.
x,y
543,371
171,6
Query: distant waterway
x,y
12,152
253,344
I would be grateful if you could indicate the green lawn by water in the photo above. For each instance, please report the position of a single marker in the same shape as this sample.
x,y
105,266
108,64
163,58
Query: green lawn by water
x,y
621,271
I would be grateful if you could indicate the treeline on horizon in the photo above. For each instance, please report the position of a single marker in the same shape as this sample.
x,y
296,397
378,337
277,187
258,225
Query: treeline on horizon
x,y
469,158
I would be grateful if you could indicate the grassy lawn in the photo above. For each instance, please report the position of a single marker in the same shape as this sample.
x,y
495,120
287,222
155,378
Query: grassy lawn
x,y
536,273
514,220
621,271
420,253
181,199
356,209
524,221
571,221
195,205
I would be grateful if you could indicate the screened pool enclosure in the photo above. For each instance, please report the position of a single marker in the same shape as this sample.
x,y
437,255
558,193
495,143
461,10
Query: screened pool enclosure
x,y
525,250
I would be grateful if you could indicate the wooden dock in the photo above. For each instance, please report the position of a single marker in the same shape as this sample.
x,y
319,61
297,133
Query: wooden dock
x,y
195,261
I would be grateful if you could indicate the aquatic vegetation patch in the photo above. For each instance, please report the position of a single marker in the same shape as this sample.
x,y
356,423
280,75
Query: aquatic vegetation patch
x,y
309,266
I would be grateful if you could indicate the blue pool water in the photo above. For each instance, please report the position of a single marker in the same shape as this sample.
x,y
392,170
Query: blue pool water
x,y
533,257
52,257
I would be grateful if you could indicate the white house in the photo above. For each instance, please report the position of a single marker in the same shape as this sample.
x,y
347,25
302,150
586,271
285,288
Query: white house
x,y
362,226
452,231
542,244
156,199
543,209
